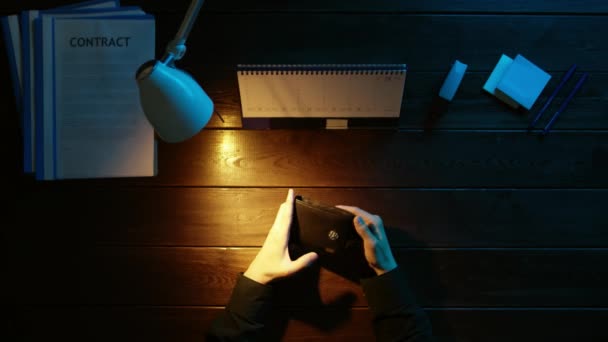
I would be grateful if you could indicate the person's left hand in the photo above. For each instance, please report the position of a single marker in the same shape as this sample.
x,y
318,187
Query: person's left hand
x,y
273,260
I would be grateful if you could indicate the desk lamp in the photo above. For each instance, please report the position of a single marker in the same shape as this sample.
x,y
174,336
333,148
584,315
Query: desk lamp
x,y
176,106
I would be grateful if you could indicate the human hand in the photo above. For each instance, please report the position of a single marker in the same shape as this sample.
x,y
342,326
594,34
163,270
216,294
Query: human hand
x,y
273,260
375,243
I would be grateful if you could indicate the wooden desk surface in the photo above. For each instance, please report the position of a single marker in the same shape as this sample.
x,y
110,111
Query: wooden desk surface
x,y
504,235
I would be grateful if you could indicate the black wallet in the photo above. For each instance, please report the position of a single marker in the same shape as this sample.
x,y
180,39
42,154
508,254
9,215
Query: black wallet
x,y
323,228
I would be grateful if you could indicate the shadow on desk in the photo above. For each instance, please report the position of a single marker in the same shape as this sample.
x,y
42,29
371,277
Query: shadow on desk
x,y
306,304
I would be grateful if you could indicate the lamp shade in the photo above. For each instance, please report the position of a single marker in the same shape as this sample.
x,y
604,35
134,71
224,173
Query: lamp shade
x,y
174,103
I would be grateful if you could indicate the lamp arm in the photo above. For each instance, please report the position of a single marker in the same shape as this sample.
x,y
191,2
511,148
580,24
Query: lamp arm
x,y
177,47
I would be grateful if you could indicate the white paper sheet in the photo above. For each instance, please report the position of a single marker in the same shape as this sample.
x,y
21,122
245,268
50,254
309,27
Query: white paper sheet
x,y
28,19
94,125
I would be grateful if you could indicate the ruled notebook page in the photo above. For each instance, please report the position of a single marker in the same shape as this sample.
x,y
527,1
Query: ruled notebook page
x,y
321,91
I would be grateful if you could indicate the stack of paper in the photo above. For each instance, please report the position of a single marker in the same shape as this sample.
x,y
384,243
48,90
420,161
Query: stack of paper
x,y
517,82
73,73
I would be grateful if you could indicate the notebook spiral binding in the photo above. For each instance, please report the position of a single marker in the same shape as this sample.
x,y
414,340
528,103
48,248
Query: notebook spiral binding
x,y
321,69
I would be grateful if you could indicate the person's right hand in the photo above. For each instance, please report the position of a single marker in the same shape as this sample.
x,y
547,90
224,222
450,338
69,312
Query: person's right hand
x,y
375,244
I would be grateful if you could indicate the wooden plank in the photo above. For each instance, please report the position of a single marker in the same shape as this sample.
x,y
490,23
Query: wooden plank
x,y
367,158
553,42
241,217
87,275
471,109
437,6
384,159
191,324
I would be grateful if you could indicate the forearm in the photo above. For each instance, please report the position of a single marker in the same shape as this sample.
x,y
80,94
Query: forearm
x,y
395,314
246,312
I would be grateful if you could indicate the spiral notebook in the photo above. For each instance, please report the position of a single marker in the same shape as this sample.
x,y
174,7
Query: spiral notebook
x,y
306,95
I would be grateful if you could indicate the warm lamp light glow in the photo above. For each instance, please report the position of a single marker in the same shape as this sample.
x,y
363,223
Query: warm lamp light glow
x,y
228,144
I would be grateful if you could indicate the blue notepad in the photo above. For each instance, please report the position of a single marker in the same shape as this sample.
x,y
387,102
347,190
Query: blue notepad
x,y
523,82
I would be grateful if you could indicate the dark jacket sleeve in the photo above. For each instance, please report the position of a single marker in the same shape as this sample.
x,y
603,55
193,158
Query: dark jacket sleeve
x,y
395,314
244,316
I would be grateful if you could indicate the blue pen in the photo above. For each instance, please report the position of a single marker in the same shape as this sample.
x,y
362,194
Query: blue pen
x,y
563,81
566,101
